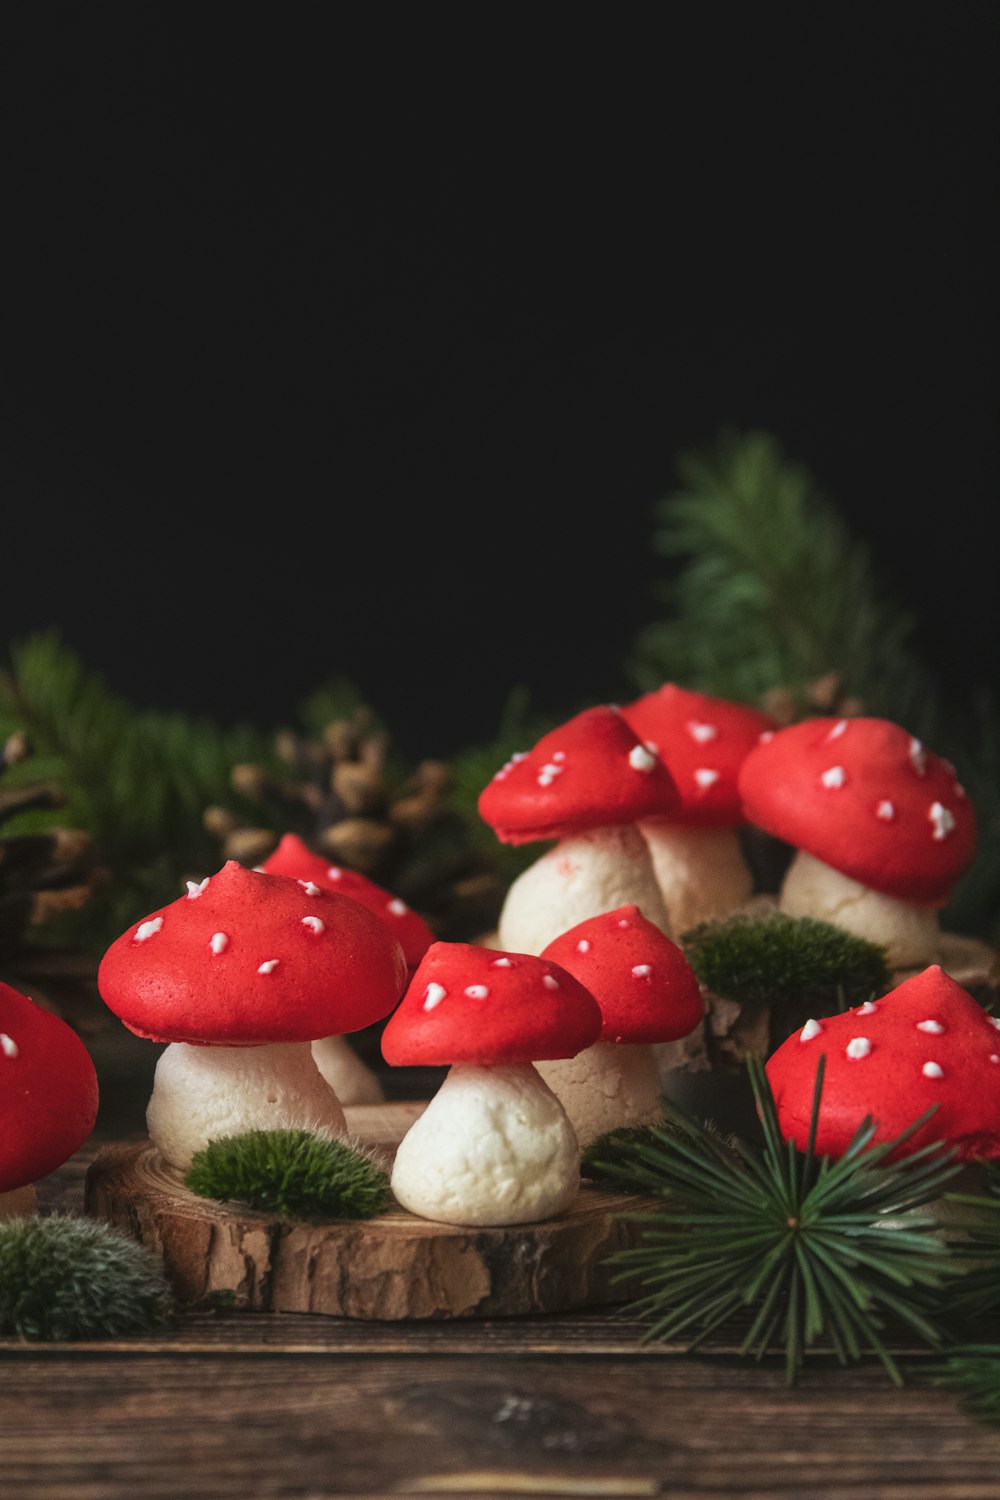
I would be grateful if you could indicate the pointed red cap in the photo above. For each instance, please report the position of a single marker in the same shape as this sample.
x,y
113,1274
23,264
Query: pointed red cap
x,y
591,772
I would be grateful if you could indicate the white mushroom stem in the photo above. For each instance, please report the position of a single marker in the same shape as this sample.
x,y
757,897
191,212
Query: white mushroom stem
x,y
701,872
909,933
202,1094
605,1087
580,877
494,1146
351,1079
19,1203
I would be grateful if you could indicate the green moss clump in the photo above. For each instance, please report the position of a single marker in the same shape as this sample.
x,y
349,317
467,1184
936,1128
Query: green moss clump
x,y
787,963
296,1174
66,1277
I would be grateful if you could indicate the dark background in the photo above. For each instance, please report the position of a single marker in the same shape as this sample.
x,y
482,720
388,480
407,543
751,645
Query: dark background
x,y
334,346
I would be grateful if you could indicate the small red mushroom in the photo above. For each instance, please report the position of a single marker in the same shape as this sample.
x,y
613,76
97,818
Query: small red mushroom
x,y
882,827
696,851
494,1146
239,976
351,1079
927,1042
586,784
48,1097
648,993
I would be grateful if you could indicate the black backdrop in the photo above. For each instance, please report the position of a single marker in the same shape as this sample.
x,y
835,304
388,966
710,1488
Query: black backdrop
x,y
364,346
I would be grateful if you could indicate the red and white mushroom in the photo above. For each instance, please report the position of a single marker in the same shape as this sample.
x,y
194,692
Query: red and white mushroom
x,y
696,850
351,1079
494,1145
239,977
927,1042
648,993
48,1098
587,784
882,827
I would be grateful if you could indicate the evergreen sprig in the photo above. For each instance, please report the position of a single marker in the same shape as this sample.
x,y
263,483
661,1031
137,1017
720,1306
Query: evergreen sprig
x,y
973,1373
811,1250
296,1174
68,1277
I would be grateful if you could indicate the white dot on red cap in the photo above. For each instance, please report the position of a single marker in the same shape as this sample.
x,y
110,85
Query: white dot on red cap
x,y
837,729
994,1021
550,981
335,873
8,1046
314,924
942,820
559,755
765,737
918,757
268,966
858,1046
932,1070
640,758
501,963
701,733
809,1030
836,776
886,810
433,995
868,1009
995,1057
218,942
477,991
641,971
397,907
148,929
624,922
933,1027
310,887
706,777
195,888
583,946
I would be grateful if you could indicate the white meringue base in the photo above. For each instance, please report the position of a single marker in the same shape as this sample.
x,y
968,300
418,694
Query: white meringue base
x,y
701,872
19,1203
910,934
494,1146
204,1093
351,1079
605,1087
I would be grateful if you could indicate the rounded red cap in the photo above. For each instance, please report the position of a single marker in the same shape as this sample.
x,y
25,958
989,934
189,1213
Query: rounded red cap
x,y
294,858
925,1042
647,990
867,798
245,959
48,1091
591,772
467,1004
703,741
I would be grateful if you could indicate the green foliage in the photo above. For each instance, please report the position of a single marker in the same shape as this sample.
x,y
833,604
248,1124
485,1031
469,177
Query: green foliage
x,y
973,1372
68,1277
786,962
813,1251
296,1174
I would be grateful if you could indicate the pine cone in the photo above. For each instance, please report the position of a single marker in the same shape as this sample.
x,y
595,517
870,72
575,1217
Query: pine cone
x,y
345,800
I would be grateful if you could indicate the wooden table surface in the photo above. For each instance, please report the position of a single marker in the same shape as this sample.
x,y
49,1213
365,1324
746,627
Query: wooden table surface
x,y
243,1407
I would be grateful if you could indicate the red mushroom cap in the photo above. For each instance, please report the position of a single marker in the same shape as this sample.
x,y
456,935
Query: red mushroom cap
x,y
703,741
292,857
48,1091
244,959
925,1042
467,1004
591,772
866,798
647,990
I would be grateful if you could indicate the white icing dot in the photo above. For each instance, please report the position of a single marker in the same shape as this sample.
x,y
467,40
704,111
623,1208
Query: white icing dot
x,y
195,888
501,963
559,755
933,1027
433,995
397,907
641,971
995,1057
886,810
859,1046
942,819
918,757
994,1021
334,873
868,1009
315,924
477,991
765,737
809,1030
837,730
834,777
268,966
701,733
641,759
624,922
550,771
148,929
218,942
8,1046
932,1070
310,887
706,777
550,981
583,946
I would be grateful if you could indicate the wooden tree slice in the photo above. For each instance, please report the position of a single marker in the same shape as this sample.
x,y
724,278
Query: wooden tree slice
x,y
392,1267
